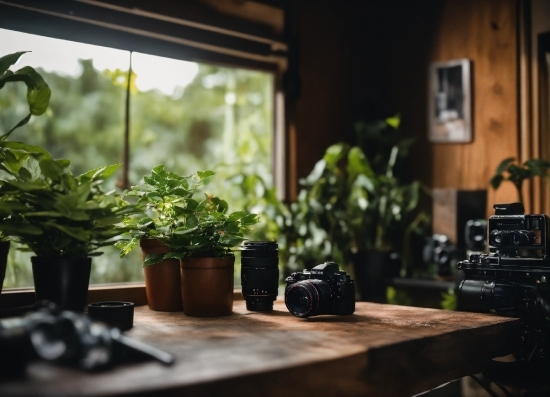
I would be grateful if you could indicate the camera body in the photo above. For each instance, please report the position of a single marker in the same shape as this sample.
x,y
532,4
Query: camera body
x,y
439,251
513,279
475,235
324,289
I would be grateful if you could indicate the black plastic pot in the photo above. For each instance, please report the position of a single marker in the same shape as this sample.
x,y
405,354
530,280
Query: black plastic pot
x,y
62,281
373,271
4,249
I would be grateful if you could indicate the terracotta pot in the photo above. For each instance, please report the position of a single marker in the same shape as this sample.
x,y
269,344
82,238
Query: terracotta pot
x,y
4,249
207,286
162,280
62,280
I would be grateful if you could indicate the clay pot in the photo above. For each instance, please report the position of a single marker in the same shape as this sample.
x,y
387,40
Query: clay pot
x,y
207,286
162,280
63,281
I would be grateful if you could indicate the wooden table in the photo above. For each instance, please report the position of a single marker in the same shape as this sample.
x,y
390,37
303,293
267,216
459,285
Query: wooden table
x,y
381,350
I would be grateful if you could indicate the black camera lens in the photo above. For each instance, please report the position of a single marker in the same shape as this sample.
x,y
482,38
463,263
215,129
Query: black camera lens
x,y
522,237
496,238
309,298
259,274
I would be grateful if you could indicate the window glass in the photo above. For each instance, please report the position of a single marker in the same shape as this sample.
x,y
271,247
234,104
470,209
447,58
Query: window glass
x,y
189,116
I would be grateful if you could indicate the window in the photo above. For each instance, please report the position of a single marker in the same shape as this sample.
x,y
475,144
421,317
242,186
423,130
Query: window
x,y
187,115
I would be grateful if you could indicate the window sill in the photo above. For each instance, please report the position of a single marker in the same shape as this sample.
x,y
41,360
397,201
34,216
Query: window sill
x,y
131,292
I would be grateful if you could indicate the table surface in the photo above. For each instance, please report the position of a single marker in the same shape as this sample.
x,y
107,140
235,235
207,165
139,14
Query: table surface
x,y
380,350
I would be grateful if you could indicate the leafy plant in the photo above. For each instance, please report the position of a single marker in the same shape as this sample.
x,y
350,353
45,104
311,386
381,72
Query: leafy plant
x,y
349,204
38,91
59,215
14,154
509,170
192,228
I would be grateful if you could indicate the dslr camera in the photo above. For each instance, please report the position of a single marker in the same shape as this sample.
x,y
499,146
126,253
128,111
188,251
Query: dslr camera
x,y
325,289
513,278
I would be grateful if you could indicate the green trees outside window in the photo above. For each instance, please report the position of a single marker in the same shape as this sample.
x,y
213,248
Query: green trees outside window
x,y
187,116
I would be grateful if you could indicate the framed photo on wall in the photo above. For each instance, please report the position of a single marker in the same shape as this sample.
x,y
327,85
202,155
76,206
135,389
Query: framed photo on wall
x,y
450,101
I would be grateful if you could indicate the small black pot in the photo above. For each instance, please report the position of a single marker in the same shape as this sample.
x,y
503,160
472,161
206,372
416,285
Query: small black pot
x,y
4,249
63,281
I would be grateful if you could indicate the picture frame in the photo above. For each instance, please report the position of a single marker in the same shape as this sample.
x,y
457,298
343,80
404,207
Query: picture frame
x,y
450,101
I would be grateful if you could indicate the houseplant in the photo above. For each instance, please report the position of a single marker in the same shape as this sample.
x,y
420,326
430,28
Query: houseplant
x,y
358,210
64,219
200,233
509,170
13,153
159,198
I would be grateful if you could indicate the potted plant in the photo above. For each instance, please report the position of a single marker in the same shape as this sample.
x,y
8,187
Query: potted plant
x,y
64,219
508,170
359,209
13,153
160,198
200,233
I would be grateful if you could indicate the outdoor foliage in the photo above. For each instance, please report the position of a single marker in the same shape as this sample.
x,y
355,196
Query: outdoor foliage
x,y
191,227
195,128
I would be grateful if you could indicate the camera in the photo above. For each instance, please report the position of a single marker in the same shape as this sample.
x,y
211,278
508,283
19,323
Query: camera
x,y
513,278
325,289
259,274
475,235
439,251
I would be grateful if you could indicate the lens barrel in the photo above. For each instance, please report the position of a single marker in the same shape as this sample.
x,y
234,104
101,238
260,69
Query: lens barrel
x,y
309,298
259,274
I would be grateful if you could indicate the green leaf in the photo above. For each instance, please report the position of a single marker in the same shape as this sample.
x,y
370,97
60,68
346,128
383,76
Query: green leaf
x,y
235,216
496,181
126,246
20,229
7,60
334,154
100,173
76,232
51,169
250,219
394,121
152,259
504,164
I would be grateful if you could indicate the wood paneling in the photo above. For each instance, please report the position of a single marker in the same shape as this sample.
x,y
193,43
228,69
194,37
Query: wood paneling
x,y
370,60
485,32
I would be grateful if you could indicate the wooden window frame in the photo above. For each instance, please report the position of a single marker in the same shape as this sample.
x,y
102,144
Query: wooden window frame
x,y
249,50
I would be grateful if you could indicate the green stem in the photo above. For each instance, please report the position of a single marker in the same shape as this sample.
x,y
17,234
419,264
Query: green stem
x,y
22,122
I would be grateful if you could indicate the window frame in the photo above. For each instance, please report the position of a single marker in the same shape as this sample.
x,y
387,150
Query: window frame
x,y
65,20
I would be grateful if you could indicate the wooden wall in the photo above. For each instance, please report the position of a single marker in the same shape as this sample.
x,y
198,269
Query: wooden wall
x,y
370,60
485,32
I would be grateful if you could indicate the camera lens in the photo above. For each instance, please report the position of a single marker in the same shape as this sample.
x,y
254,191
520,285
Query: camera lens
x,y
496,238
309,298
259,274
522,237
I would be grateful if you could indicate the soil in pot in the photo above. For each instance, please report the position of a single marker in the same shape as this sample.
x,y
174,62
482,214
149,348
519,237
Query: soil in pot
x,y
63,281
162,280
207,286
4,249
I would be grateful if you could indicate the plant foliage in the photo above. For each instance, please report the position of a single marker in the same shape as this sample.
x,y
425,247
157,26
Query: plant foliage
x,y
38,91
191,227
509,170
349,203
59,215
